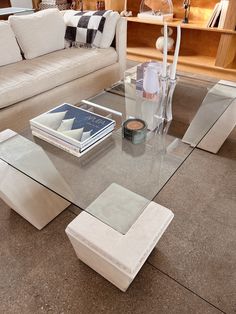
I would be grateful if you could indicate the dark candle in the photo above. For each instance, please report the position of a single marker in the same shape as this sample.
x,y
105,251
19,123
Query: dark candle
x,y
135,130
135,125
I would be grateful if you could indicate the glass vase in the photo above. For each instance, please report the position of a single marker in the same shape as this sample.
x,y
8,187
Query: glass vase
x,y
163,114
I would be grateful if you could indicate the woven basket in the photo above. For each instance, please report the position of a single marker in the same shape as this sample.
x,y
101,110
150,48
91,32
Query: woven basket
x,y
44,6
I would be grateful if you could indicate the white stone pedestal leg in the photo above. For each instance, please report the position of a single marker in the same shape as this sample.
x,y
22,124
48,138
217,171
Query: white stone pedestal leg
x,y
118,257
216,137
28,198
208,131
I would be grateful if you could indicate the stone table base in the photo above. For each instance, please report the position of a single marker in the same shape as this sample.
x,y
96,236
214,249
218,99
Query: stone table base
x,y
118,257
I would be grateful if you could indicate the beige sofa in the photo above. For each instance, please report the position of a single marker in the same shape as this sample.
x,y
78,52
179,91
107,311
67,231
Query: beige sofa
x,y
30,87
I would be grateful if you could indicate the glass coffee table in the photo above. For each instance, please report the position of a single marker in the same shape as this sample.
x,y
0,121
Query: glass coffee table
x,y
116,163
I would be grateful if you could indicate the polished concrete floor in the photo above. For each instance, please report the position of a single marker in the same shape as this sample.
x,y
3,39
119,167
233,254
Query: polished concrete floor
x,y
192,269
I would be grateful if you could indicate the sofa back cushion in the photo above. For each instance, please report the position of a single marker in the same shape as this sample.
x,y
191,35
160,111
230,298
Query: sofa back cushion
x,y
95,28
9,50
39,33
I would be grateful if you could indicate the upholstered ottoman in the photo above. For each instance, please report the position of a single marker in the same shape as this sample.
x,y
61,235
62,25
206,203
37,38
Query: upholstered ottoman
x,y
118,257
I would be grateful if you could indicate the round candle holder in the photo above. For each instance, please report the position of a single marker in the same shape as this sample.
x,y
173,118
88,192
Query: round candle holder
x,y
134,130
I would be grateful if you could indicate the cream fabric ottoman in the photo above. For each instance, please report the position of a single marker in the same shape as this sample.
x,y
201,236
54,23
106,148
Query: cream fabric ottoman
x,y
118,257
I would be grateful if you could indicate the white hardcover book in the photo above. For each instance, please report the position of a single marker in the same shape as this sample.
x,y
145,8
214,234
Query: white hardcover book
x,y
212,15
70,146
225,5
217,16
84,122
60,144
92,140
54,140
47,139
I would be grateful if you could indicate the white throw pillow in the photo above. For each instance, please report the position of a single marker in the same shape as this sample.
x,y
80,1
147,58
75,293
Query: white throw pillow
x,y
9,50
39,33
109,30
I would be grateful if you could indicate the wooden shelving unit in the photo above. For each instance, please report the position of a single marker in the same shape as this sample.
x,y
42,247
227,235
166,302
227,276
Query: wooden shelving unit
x,y
5,3
198,25
211,51
116,5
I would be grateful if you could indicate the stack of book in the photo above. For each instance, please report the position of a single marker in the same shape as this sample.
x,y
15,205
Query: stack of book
x,y
218,16
73,129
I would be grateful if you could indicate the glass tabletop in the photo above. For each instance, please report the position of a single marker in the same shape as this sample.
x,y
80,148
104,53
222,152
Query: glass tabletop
x,y
116,179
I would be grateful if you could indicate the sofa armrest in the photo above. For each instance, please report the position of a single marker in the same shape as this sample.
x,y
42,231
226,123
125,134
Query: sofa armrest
x,y
121,44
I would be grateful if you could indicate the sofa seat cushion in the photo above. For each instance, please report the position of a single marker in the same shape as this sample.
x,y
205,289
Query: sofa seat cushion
x,y
28,78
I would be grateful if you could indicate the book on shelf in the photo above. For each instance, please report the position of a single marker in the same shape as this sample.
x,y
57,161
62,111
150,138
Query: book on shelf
x,y
224,9
218,16
74,129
